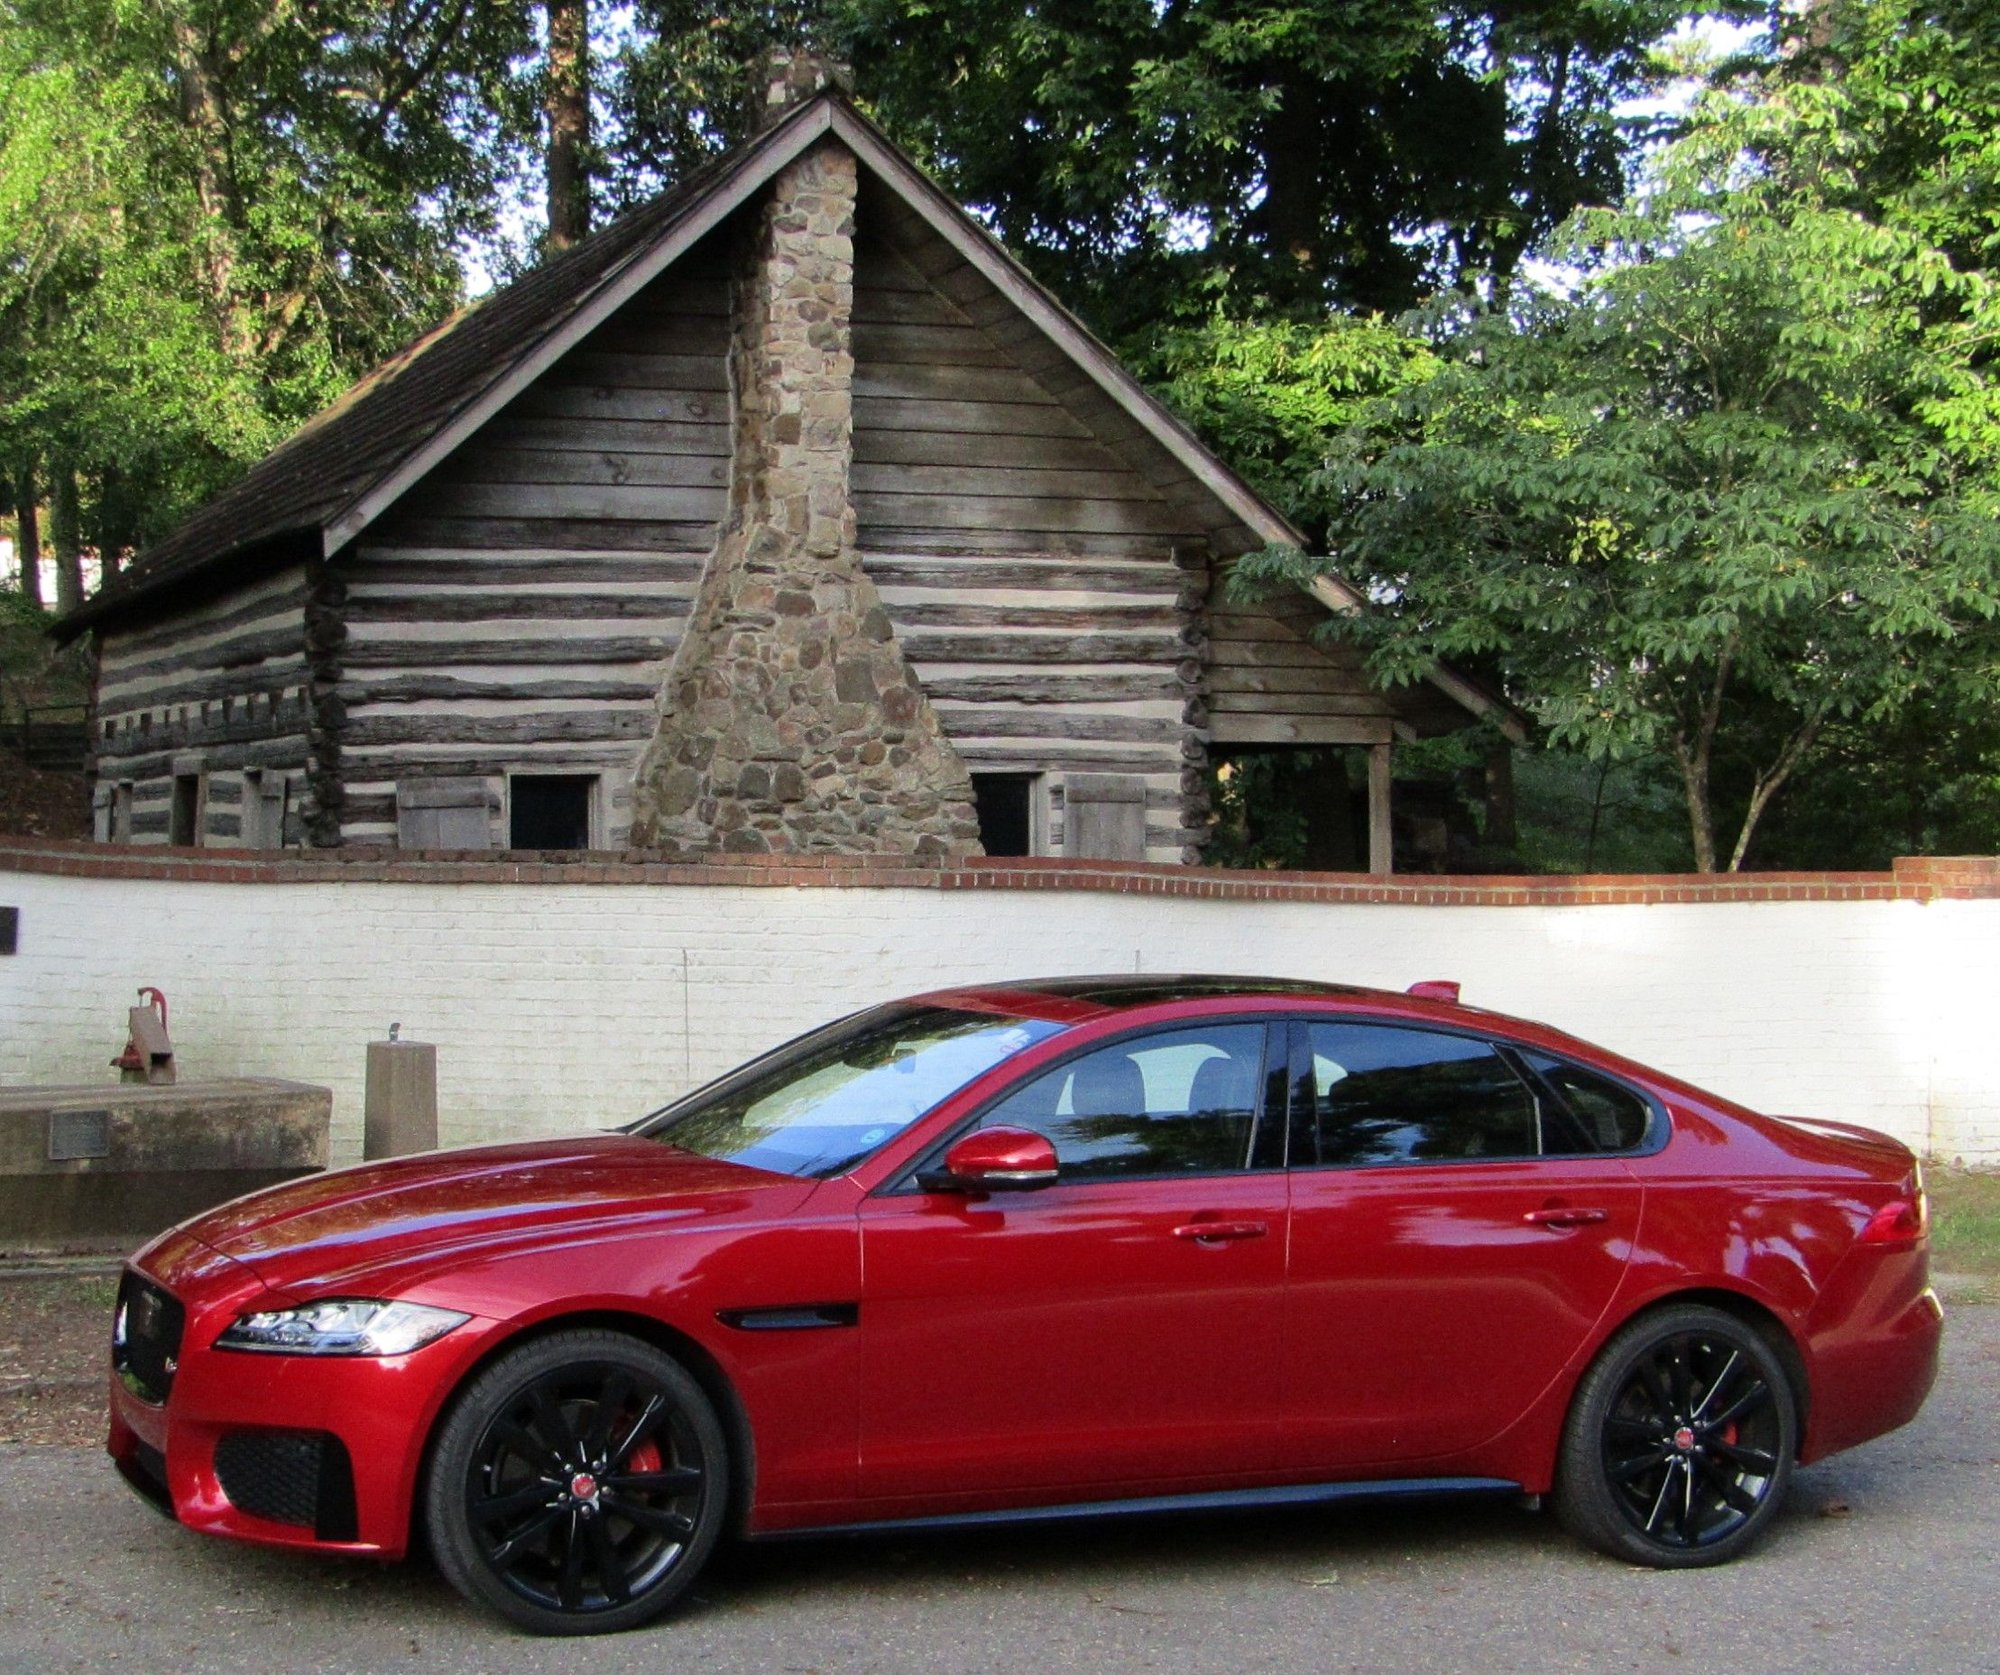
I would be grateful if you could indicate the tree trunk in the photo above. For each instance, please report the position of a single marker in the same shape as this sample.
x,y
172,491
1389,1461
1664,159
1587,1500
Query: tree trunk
x,y
567,108
66,535
1503,829
1767,784
1693,757
1693,765
205,116
29,535
1292,217
114,522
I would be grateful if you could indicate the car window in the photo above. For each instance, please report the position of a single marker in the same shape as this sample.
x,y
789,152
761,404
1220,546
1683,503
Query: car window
x,y
820,1104
1182,1102
1597,1114
1376,1094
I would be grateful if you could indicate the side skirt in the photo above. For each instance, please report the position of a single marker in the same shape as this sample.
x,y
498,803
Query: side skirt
x,y
1220,1500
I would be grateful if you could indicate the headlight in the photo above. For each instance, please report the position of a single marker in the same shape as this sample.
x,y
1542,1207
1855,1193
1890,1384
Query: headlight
x,y
342,1326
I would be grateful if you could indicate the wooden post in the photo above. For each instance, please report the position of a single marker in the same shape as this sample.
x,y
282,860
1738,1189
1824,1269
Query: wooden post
x,y
1381,836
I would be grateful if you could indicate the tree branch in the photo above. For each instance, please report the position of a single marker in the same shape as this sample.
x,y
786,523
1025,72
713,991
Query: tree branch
x,y
1767,784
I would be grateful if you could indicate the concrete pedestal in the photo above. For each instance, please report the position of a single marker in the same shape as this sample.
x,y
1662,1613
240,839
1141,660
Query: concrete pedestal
x,y
118,1163
401,1115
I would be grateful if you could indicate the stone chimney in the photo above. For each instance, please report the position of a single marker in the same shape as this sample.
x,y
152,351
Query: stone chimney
x,y
781,77
789,720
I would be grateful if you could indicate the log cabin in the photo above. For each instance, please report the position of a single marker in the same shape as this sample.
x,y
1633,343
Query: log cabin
x,y
785,513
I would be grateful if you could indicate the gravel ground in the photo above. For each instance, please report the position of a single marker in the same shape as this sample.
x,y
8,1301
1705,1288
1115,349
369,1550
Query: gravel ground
x,y
1883,1561
55,1337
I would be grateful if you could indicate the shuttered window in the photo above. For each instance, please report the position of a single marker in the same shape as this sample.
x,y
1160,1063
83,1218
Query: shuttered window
x,y
264,797
443,814
1104,817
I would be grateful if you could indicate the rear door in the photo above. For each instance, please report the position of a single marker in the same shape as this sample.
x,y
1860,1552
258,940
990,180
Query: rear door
x,y
1456,1235
1120,1327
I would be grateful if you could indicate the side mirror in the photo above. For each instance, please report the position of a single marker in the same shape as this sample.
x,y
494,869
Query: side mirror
x,y
995,1160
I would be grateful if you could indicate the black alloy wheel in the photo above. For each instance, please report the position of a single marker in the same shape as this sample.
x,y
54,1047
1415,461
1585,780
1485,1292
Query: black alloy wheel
x,y
578,1485
1680,1441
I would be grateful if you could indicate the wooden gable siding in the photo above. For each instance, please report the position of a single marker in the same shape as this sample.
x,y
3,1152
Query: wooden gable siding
x,y
1271,682
1054,373
214,689
1040,585
518,608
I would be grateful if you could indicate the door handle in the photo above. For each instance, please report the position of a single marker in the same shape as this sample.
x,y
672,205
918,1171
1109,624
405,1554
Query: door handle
x,y
1559,1216
1214,1232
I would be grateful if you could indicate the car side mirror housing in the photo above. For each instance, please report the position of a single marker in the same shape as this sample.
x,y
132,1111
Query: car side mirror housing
x,y
995,1160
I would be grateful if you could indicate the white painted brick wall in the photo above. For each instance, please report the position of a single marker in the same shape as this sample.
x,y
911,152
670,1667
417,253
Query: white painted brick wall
x,y
570,1006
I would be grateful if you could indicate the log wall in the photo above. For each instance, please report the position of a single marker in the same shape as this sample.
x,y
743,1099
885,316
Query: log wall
x,y
1272,682
214,691
517,610
1045,590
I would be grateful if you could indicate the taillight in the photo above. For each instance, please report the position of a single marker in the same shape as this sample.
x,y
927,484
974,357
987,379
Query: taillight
x,y
1901,1222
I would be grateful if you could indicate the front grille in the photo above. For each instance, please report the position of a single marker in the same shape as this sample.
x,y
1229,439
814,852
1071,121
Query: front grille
x,y
146,1338
290,1477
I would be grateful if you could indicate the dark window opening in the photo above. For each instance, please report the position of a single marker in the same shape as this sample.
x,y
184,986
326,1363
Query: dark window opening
x,y
1002,802
186,810
550,811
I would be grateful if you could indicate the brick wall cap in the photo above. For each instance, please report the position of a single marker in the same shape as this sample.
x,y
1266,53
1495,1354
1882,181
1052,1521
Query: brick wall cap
x,y
1913,878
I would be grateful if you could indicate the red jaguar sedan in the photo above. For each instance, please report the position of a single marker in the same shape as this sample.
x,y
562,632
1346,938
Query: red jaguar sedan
x,y
1041,1250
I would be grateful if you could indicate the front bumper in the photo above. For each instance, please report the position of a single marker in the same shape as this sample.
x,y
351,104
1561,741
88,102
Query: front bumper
x,y
320,1452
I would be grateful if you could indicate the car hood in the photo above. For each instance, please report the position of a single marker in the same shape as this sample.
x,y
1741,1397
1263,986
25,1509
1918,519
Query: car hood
x,y
483,1195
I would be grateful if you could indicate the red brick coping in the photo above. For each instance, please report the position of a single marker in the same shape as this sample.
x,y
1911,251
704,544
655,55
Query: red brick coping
x,y
1918,878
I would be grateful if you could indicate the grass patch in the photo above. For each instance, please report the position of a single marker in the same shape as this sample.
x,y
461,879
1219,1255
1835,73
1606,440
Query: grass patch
x,y
1965,1219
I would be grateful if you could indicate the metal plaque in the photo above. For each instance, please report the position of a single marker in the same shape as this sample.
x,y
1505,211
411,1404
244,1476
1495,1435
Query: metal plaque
x,y
75,1135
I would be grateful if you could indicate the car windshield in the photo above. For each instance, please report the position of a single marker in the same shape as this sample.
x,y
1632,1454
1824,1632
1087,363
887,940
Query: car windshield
x,y
818,1105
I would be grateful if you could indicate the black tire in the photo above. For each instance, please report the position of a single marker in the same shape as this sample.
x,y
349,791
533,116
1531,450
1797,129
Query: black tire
x,y
578,1484
1680,1441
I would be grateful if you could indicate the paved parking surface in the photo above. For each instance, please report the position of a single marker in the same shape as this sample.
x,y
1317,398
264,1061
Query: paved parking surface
x,y
1886,1561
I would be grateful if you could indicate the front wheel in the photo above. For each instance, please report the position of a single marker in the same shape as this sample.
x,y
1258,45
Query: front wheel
x,y
1680,1441
578,1485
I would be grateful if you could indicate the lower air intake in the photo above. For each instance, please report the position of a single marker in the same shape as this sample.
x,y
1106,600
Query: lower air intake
x,y
302,1478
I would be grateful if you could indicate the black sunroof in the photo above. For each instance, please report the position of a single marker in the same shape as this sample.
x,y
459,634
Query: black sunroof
x,y
1146,990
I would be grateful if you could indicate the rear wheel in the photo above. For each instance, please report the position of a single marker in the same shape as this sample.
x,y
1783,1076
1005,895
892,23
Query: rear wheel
x,y
578,1485
1680,1441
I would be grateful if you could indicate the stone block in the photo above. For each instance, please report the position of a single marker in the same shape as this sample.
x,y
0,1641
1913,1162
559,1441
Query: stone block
x,y
92,1165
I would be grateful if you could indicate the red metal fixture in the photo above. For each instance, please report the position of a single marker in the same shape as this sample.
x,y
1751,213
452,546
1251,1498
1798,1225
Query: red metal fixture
x,y
149,1051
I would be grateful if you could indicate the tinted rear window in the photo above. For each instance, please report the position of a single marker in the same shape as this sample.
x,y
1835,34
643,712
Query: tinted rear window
x,y
1596,1114
1386,1095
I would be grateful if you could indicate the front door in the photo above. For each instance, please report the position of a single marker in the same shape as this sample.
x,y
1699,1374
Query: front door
x,y
1454,1243
1118,1328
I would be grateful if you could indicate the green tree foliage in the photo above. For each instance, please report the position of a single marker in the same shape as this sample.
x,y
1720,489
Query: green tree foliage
x,y
1149,159
215,213
1906,126
1269,395
1742,471
678,83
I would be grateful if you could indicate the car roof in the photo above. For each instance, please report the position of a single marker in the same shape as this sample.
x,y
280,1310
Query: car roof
x,y
1076,999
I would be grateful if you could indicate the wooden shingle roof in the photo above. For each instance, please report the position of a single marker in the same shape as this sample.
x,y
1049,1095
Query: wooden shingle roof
x,y
334,460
